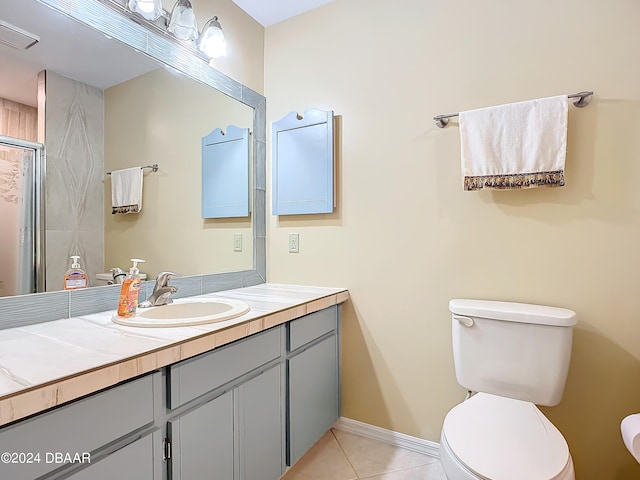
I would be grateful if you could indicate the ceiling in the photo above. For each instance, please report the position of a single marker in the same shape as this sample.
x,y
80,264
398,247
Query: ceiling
x,y
269,12
66,47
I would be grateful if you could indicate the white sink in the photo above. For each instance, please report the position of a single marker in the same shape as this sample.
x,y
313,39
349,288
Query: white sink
x,y
185,312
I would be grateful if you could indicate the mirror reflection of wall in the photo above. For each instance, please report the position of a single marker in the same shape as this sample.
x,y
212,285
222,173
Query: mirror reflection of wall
x,y
161,117
76,182
74,144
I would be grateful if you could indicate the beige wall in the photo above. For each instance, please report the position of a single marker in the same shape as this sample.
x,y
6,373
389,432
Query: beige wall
x,y
18,120
406,238
161,118
245,40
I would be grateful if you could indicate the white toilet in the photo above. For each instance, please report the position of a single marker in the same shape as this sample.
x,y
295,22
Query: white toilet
x,y
515,356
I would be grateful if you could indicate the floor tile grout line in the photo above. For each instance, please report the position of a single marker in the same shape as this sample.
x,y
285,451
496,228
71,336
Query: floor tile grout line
x,y
394,471
345,454
430,462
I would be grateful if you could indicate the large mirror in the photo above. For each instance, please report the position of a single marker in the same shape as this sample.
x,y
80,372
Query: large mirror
x,y
104,105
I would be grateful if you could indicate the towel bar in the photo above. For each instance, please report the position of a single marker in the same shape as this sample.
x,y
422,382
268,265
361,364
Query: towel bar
x,y
154,168
441,121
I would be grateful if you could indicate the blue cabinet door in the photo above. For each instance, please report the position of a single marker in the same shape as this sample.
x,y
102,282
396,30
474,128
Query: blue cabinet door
x,y
261,426
139,460
313,395
202,441
303,163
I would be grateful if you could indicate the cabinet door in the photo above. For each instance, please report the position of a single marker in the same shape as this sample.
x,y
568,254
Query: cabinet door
x,y
136,460
202,441
85,425
313,395
261,426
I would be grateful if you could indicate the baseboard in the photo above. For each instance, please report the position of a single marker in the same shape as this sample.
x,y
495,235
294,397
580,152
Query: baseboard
x,y
397,439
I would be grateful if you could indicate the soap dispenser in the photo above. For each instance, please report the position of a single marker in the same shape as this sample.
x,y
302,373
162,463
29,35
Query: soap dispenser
x,y
75,277
128,304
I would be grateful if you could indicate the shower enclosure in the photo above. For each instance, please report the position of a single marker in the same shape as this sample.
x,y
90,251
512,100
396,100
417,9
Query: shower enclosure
x,y
21,217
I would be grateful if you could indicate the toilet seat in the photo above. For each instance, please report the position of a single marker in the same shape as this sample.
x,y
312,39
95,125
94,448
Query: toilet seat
x,y
498,438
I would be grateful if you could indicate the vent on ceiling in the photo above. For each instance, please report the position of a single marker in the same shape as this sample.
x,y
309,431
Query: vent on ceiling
x,y
16,37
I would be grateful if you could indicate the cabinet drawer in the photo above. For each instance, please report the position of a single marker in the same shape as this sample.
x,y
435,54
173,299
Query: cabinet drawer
x,y
136,460
194,377
305,329
82,426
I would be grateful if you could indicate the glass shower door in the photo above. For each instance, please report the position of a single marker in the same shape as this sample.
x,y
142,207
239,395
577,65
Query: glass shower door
x,y
21,236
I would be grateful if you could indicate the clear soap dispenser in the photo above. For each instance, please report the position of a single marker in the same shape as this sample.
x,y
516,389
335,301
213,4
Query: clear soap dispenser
x,y
75,277
128,304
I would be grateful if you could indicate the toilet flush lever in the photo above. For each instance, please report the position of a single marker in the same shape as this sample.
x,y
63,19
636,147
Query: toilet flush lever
x,y
466,321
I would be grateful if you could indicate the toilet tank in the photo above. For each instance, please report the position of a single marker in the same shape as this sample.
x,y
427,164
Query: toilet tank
x,y
514,350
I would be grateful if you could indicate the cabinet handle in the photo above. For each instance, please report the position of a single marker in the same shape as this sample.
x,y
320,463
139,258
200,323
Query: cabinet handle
x,y
166,449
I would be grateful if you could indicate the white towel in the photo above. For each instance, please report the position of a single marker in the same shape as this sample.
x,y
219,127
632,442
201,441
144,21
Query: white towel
x,y
518,145
126,190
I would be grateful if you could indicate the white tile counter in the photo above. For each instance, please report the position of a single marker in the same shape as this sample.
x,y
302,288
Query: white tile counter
x,y
48,364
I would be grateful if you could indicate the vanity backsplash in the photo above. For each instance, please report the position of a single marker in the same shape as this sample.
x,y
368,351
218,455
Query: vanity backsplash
x,y
44,307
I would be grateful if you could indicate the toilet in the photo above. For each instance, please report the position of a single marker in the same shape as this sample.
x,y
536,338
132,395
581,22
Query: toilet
x,y
512,357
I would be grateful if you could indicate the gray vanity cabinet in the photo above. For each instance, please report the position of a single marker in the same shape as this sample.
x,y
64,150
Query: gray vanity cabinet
x,y
138,460
84,431
232,427
202,441
313,379
261,426
239,412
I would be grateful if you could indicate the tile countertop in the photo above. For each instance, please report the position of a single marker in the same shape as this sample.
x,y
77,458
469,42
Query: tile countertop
x,y
48,364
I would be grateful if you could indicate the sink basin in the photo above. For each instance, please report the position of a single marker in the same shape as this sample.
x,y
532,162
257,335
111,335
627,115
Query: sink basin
x,y
185,312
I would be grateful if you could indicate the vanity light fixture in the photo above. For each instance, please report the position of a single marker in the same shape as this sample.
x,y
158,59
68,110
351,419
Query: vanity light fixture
x,y
212,42
149,9
183,24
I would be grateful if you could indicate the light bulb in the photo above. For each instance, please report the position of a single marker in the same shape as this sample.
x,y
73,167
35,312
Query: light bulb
x,y
212,42
183,23
149,9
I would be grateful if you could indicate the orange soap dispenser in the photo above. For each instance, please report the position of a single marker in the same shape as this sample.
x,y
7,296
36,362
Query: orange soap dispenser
x,y
128,304
75,277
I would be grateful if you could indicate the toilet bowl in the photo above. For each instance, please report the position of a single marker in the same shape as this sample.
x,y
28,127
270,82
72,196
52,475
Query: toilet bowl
x,y
489,437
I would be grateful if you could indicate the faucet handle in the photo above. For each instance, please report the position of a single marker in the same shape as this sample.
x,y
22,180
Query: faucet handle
x,y
162,280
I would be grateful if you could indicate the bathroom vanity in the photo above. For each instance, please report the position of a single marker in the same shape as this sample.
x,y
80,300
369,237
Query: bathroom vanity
x,y
243,400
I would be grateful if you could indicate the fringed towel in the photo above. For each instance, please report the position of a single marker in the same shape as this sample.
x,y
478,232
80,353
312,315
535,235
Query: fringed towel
x,y
518,145
126,190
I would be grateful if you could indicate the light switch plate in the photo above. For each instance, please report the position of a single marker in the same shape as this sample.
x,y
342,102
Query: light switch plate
x,y
294,243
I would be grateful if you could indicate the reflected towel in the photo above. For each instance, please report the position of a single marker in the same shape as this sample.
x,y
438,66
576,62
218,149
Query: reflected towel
x,y
513,146
126,190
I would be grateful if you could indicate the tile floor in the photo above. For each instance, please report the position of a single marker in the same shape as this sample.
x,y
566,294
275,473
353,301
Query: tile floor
x,y
339,455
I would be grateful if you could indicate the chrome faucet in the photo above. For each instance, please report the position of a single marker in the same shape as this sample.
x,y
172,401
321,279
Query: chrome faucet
x,y
161,291
117,274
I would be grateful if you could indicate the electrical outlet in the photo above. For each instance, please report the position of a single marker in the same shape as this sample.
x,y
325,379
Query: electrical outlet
x,y
237,242
294,243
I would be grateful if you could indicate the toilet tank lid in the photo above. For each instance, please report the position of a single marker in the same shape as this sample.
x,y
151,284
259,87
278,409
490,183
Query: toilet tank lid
x,y
514,312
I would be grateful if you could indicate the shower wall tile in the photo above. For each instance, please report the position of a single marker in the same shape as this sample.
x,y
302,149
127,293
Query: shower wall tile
x,y
62,244
74,140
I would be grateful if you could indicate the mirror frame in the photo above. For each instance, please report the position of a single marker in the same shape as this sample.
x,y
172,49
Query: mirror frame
x,y
112,20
